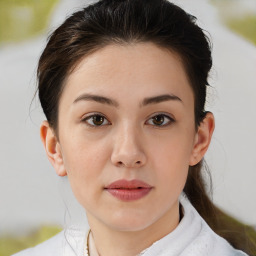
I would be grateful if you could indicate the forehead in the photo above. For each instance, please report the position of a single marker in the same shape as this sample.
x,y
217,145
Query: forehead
x,y
135,68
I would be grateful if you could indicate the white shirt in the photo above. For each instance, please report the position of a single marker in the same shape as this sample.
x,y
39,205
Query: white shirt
x,y
192,237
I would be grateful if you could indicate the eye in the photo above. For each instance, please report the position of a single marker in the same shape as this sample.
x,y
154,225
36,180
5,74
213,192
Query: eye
x,y
96,120
160,120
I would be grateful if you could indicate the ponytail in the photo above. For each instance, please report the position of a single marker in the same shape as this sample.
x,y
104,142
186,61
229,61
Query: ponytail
x,y
236,233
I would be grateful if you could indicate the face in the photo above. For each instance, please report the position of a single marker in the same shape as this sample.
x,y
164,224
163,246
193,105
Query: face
x,y
127,135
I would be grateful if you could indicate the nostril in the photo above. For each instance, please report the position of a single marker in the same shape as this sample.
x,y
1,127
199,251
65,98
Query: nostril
x,y
129,164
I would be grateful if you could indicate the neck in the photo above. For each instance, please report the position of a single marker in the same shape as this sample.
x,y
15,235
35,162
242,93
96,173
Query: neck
x,y
112,242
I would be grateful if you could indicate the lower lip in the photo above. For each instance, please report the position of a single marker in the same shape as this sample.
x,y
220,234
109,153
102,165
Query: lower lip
x,y
129,194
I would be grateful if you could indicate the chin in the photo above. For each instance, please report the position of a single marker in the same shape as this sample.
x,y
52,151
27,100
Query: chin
x,y
128,222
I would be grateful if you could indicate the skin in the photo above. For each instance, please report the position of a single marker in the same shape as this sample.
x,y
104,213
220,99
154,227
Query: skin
x,y
130,143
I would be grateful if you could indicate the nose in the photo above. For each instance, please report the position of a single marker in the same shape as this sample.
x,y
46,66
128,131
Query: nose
x,y
127,151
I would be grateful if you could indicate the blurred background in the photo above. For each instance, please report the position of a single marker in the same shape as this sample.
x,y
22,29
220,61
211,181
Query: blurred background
x,y
34,202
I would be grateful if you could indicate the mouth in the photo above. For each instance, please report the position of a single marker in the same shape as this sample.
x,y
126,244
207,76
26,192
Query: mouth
x,y
126,190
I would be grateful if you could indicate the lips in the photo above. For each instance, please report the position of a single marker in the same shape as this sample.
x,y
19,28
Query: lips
x,y
128,190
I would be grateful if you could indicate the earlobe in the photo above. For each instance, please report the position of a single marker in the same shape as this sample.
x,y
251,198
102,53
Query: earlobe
x,y
52,148
202,139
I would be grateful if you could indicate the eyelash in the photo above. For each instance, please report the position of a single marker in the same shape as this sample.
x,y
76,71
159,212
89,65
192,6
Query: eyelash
x,y
90,118
164,116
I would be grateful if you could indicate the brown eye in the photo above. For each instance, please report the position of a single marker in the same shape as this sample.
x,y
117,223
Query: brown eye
x,y
160,120
96,120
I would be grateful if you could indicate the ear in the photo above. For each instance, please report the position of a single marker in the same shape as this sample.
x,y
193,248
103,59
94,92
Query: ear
x,y
52,148
202,139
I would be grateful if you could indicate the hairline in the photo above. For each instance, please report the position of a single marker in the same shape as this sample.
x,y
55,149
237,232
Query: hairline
x,y
121,43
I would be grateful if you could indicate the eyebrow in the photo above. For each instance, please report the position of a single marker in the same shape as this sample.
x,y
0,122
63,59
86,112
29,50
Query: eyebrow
x,y
111,102
159,99
97,98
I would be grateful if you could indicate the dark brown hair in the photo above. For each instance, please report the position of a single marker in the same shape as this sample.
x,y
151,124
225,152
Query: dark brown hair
x,y
124,22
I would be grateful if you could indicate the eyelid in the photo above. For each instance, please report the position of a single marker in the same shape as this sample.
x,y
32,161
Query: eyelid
x,y
167,115
92,114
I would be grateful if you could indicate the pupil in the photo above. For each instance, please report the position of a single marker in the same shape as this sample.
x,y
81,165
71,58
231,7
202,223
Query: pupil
x,y
98,120
158,120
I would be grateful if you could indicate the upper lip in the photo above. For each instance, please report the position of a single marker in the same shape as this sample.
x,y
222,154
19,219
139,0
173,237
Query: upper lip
x,y
128,184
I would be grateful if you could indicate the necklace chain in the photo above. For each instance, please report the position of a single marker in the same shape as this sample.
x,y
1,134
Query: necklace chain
x,y
87,247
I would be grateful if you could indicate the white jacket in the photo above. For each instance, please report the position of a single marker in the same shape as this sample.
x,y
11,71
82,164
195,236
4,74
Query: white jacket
x,y
192,237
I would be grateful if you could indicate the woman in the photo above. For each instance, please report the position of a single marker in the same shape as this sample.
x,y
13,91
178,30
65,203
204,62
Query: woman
x,y
123,87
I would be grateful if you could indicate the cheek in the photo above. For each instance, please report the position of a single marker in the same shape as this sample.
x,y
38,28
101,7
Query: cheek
x,y
173,171
173,149
171,156
171,177
84,162
82,155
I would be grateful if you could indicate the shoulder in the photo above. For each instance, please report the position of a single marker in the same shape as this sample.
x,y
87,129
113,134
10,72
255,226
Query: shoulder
x,y
192,237
206,241
51,247
68,242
